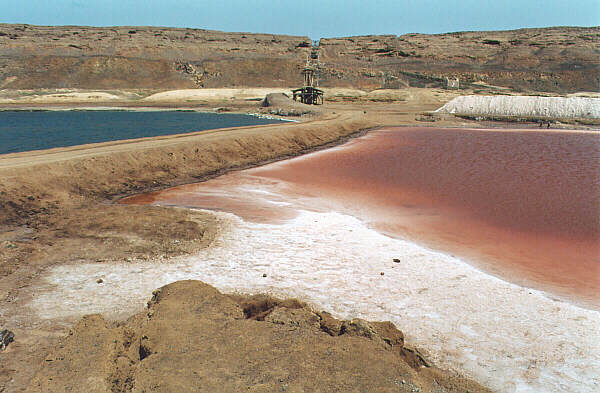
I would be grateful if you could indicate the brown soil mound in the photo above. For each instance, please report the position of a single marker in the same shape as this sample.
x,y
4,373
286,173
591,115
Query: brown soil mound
x,y
193,338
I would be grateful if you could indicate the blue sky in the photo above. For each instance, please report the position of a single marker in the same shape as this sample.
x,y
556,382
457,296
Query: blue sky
x,y
325,18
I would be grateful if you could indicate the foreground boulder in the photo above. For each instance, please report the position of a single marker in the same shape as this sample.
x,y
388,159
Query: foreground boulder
x,y
193,338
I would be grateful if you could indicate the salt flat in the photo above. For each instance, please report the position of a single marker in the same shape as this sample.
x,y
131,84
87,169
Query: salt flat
x,y
510,338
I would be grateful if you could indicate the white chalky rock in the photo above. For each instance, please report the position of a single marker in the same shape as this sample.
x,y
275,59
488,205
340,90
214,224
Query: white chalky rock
x,y
552,107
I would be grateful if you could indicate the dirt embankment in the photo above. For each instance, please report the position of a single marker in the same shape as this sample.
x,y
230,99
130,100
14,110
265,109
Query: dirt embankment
x,y
557,59
40,191
193,338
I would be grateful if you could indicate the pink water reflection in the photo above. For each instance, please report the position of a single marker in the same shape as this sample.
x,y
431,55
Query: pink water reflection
x,y
520,204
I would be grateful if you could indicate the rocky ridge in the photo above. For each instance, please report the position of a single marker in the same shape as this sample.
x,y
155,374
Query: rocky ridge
x,y
555,59
558,59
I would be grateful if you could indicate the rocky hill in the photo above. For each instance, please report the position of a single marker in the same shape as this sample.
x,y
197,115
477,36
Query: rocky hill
x,y
557,59
145,57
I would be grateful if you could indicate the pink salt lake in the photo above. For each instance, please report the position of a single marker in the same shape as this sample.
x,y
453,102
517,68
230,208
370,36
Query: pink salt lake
x,y
523,205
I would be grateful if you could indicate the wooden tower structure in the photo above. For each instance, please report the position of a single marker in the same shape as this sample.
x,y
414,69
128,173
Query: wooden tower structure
x,y
309,93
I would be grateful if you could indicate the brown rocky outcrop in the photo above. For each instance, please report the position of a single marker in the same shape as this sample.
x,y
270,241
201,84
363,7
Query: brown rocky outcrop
x,y
144,57
557,59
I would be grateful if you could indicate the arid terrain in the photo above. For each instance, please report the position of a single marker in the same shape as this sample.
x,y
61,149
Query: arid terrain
x,y
57,206
558,60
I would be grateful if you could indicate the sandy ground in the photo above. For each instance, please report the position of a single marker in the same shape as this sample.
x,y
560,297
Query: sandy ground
x,y
214,94
55,205
209,96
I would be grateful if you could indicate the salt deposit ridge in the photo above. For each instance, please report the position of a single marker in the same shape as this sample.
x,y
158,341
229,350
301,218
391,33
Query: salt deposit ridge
x,y
550,107
510,338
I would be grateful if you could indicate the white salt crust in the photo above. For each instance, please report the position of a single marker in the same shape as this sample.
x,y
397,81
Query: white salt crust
x,y
509,338
551,107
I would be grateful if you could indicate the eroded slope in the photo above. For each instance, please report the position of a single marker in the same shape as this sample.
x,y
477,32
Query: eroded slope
x,y
557,59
